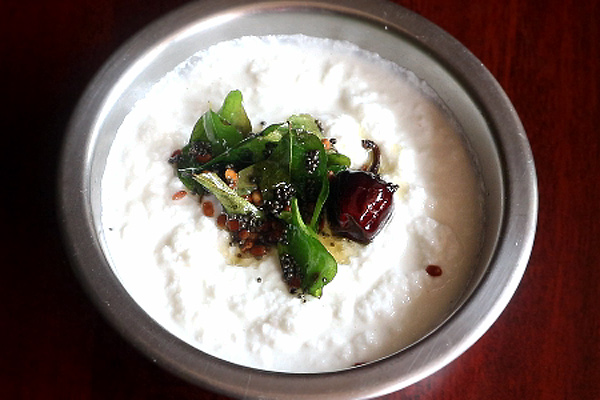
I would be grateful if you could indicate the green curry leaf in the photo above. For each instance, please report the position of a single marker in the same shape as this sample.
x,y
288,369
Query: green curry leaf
x,y
247,152
229,199
316,264
234,113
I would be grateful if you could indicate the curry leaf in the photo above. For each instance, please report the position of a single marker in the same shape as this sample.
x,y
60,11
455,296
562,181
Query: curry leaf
x,y
317,266
323,194
247,152
221,135
234,113
224,129
337,162
305,123
228,198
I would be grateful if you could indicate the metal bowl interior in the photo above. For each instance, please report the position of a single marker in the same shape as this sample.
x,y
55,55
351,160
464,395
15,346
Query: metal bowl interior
x,y
491,127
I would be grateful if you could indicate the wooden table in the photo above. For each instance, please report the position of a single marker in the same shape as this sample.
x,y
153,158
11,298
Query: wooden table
x,y
545,345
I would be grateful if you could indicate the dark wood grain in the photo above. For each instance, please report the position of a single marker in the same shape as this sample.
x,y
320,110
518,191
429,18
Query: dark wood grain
x,y
544,346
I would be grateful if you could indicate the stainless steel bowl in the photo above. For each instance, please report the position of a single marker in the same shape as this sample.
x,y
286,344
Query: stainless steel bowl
x,y
489,121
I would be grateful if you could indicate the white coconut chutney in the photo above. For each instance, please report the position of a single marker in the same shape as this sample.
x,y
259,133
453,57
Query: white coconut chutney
x,y
175,262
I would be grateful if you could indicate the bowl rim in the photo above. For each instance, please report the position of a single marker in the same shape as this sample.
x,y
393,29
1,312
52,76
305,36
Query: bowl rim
x,y
370,380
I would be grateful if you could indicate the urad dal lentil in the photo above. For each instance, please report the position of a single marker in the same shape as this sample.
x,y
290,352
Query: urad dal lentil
x,y
177,264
